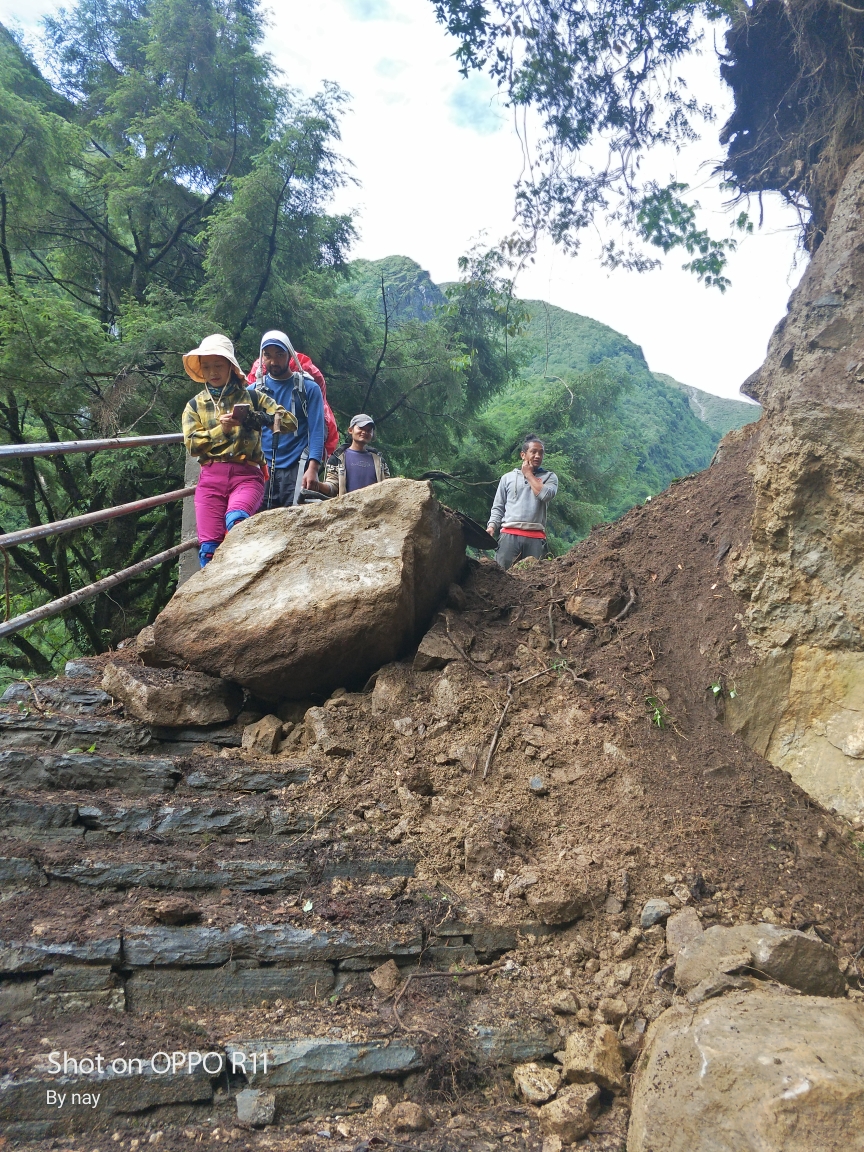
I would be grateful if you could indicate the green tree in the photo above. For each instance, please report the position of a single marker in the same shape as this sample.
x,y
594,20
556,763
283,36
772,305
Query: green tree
x,y
426,380
117,203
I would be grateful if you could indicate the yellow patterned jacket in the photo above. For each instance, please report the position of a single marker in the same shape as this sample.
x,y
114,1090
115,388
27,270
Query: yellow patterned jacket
x,y
208,440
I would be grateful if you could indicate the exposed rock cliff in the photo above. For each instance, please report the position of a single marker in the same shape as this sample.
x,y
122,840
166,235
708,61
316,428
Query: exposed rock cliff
x,y
802,569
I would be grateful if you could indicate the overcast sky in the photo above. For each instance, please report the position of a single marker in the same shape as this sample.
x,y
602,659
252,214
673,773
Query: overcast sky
x,y
436,156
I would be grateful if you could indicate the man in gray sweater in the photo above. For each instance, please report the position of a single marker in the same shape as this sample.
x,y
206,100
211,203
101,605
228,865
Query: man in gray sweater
x,y
520,505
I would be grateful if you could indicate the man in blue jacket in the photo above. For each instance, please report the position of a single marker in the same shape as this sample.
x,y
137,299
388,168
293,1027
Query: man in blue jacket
x,y
303,448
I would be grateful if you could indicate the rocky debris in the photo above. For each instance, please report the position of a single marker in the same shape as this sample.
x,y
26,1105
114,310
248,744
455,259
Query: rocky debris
x,y
55,695
682,928
512,1042
782,954
570,1116
536,1083
752,1070
565,1004
327,1060
537,786
264,736
594,1055
594,610
172,910
654,912
561,900
406,1116
611,1010
379,560
436,649
322,733
716,984
171,698
387,977
73,771
255,1107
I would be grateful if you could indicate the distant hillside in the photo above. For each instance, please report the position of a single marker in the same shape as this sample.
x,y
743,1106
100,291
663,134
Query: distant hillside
x,y
668,429
662,435
719,413
410,292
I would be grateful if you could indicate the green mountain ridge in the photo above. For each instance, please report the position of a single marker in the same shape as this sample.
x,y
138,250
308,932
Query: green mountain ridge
x,y
665,429
718,412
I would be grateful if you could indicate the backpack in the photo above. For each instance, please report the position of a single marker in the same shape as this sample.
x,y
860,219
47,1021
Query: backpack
x,y
331,432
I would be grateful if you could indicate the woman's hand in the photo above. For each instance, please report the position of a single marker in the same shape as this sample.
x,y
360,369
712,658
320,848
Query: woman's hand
x,y
227,421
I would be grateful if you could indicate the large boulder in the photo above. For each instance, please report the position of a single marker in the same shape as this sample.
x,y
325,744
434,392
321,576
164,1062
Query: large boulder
x,y
172,698
752,1072
302,600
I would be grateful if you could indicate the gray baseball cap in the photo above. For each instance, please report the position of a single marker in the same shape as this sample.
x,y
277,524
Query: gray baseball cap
x,y
362,419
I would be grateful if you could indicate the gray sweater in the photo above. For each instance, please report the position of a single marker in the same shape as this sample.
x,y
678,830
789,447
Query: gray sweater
x,y
516,506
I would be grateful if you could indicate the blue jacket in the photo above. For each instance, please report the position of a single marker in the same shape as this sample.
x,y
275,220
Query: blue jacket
x,y
310,432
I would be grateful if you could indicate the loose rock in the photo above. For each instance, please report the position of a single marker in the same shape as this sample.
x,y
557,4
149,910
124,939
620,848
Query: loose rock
x,y
594,1055
387,977
264,736
321,731
682,928
565,1005
782,954
536,1083
594,610
409,1117
171,698
172,910
570,1115
654,911
611,1010
560,900
256,1107
436,649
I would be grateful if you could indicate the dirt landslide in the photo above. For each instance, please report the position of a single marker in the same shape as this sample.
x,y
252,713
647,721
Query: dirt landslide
x,y
546,756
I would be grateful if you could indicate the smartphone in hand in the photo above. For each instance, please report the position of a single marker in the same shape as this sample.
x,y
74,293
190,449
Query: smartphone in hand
x,y
240,413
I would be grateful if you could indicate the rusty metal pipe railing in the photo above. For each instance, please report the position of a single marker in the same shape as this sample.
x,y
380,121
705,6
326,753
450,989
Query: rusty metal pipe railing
x,y
64,447
56,527
55,607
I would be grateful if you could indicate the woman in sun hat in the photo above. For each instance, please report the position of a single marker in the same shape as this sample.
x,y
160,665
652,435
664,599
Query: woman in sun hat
x,y
231,485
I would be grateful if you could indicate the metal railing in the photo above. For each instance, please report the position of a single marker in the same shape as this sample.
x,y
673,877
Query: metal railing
x,y
56,527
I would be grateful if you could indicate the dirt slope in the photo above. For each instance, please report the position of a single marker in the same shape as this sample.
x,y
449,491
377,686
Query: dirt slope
x,y
612,776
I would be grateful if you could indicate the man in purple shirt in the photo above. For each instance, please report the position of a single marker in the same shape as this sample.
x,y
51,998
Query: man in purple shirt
x,y
355,465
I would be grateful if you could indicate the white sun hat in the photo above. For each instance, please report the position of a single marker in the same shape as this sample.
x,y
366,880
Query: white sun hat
x,y
215,345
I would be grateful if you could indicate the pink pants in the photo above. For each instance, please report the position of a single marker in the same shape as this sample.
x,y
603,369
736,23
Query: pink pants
x,y
225,488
